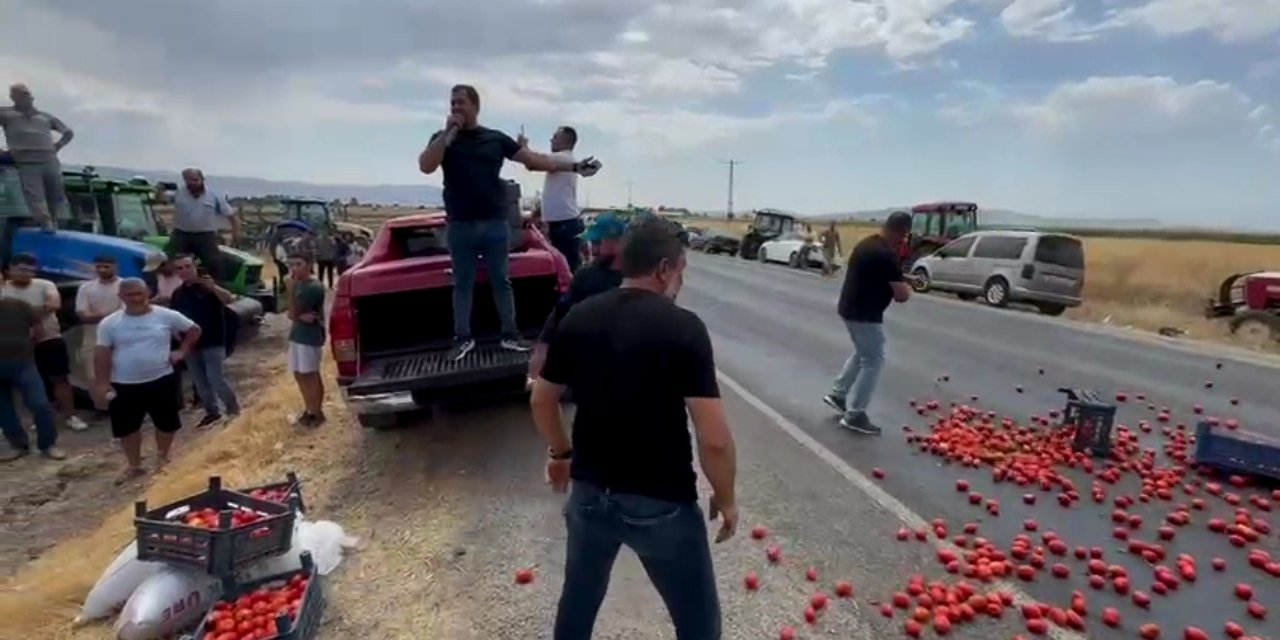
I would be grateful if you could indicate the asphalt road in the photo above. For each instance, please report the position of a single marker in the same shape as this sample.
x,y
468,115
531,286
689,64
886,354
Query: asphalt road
x,y
775,332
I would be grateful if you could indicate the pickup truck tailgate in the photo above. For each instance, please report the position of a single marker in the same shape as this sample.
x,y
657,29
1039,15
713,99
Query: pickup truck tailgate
x,y
434,369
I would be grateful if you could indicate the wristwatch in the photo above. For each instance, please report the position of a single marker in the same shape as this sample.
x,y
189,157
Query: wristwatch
x,y
567,454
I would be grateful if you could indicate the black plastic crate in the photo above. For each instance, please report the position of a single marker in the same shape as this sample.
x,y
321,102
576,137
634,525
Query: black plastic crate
x,y
1237,451
1092,419
290,488
303,626
218,551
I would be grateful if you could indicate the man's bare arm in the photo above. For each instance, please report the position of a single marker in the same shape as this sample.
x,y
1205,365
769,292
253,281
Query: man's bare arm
x,y
102,366
189,339
534,161
901,291
716,452
431,157
65,134
544,401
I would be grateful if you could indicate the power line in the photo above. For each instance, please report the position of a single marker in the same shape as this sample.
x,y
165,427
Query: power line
x,y
732,164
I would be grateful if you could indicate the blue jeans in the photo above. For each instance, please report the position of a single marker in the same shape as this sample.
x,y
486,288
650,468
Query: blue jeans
x,y
467,240
564,236
669,537
211,383
857,380
21,376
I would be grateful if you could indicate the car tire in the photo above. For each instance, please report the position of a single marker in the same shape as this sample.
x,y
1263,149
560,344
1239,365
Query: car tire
x,y
996,292
378,421
1050,309
794,260
762,256
923,283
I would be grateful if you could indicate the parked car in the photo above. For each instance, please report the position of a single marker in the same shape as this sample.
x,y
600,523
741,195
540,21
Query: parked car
x,y
720,243
790,249
1044,269
390,361
697,237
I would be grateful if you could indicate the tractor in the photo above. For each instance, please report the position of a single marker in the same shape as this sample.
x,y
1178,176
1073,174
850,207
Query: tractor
x,y
768,224
1251,304
935,224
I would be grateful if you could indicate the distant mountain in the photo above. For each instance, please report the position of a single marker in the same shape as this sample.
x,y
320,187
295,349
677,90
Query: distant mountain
x,y
233,186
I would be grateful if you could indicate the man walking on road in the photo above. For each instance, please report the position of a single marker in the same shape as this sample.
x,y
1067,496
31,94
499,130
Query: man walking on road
x,y
19,327
205,303
199,214
638,367
28,132
53,360
601,275
475,204
874,279
559,204
830,240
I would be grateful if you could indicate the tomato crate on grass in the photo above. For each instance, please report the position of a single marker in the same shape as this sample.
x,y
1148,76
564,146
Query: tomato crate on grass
x,y
1092,419
1237,451
216,531
279,491
286,606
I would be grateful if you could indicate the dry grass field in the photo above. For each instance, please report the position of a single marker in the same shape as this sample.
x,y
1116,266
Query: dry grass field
x,y
1144,283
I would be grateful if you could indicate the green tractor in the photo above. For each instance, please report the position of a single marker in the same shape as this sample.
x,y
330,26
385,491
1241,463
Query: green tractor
x,y
122,208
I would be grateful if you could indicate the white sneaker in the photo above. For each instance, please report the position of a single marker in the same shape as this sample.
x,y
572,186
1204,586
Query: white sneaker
x,y
74,423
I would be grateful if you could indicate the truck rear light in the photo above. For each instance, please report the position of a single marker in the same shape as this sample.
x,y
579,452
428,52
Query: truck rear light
x,y
343,338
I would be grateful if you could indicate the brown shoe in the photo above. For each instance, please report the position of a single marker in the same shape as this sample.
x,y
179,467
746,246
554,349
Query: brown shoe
x,y
54,453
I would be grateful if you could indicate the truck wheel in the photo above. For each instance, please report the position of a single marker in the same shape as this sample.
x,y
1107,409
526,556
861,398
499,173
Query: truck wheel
x,y
1256,328
377,421
996,292
794,260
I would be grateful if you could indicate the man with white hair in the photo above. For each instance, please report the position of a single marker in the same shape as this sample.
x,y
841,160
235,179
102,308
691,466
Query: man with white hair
x,y
28,133
199,214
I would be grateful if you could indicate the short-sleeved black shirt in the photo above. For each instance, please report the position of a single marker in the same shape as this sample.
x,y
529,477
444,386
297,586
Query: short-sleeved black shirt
x,y
206,310
473,187
631,358
595,278
866,292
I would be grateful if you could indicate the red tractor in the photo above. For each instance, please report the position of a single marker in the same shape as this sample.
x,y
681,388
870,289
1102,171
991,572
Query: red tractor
x,y
1251,301
935,224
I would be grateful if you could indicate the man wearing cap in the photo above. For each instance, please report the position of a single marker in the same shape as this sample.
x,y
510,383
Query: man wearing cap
x,y
874,279
599,276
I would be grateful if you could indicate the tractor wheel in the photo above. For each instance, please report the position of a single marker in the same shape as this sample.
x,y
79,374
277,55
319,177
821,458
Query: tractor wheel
x,y
793,260
1256,328
921,285
996,292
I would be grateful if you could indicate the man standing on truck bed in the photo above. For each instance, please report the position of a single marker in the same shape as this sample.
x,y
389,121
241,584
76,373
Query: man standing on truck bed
x,y
475,204
199,214
28,132
639,367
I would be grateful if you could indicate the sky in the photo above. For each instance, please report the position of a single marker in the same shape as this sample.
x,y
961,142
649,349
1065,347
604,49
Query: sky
x,y
1087,108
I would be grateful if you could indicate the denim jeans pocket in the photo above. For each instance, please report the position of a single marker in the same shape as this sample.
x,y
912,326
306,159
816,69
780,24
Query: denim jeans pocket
x,y
642,511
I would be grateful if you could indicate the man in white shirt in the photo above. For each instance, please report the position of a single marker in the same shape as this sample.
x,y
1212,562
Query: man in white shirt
x,y
134,367
167,281
52,358
95,300
560,199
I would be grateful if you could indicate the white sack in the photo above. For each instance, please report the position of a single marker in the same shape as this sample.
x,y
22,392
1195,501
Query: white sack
x,y
166,603
125,574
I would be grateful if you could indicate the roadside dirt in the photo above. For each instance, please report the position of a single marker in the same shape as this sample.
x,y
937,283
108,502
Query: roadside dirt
x,y
43,503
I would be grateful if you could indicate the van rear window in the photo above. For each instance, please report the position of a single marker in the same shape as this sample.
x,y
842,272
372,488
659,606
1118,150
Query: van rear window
x,y
1061,251
420,242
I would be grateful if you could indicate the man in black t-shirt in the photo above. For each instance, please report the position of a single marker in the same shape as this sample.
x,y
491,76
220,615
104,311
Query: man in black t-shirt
x,y
639,367
205,303
874,279
599,276
475,203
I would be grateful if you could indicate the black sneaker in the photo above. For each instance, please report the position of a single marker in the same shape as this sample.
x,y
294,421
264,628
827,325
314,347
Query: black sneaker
x,y
860,423
209,420
834,401
515,344
461,348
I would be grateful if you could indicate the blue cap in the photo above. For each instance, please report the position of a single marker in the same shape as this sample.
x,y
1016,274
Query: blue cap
x,y
606,226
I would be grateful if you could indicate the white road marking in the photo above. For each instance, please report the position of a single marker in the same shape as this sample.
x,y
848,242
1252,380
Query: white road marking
x,y
878,495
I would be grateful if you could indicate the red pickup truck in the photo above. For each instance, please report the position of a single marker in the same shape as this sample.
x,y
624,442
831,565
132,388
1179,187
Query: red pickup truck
x,y
391,324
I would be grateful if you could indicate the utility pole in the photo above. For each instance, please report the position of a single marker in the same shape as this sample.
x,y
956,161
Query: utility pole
x,y
732,164
629,183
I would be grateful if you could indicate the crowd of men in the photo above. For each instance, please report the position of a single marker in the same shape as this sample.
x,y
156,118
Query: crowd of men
x,y
639,366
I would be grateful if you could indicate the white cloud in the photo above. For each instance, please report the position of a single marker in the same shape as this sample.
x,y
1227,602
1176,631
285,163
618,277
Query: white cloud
x,y
1231,21
1052,20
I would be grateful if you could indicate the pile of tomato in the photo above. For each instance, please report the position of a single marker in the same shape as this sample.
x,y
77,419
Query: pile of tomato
x,y
208,517
279,495
252,616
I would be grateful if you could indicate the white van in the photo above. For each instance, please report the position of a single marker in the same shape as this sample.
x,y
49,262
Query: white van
x,y
1041,268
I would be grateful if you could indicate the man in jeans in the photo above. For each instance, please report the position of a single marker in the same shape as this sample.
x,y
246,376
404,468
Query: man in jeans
x,y
873,280
475,203
19,327
639,367
205,303
559,204
28,133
